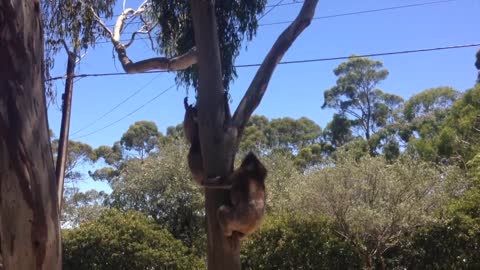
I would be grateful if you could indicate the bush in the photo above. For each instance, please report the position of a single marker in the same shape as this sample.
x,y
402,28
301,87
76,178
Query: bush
x,y
293,242
125,241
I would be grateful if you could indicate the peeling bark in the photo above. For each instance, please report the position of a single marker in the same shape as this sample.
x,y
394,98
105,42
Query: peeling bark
x,y
29,225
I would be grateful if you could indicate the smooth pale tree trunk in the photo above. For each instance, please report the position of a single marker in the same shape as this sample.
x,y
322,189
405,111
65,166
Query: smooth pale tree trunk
x,y
29,225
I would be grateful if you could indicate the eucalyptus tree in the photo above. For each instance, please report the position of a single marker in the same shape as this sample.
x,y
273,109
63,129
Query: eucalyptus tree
x,y
200,40
356,95
29,214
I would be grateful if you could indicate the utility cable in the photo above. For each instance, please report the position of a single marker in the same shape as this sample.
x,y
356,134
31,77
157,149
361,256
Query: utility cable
x,y
127,115
295,61
270,10
326,16
116,106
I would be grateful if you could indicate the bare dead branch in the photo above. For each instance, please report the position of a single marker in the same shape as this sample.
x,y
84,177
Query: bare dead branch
x,y
80,57
259,84
157,63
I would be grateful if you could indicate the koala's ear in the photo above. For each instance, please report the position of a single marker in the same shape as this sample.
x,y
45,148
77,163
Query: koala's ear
x,y
250,161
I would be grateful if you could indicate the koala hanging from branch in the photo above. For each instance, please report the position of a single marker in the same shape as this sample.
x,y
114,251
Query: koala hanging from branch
x,y
247,193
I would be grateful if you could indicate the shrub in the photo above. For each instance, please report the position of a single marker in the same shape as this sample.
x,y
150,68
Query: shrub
x,y
129,240
294,242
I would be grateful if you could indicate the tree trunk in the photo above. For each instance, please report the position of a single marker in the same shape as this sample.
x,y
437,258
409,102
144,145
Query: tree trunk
x,y
216,142
29,226
65,128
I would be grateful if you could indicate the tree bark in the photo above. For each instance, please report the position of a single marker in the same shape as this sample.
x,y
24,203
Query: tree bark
x,y
65,127
29,225
216,141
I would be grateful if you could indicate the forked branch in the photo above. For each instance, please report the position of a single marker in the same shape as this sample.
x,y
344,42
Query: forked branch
x,y
156,63
259,84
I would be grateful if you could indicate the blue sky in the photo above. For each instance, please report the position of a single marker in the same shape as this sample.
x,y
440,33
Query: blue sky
x,y
295,90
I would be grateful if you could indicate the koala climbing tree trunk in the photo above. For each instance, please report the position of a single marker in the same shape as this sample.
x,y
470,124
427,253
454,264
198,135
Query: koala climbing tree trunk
x,y
219,133
216,152
29,225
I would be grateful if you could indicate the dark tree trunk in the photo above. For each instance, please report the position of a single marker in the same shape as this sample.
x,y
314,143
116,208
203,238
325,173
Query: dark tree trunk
x,y
65,127
216,143
29,226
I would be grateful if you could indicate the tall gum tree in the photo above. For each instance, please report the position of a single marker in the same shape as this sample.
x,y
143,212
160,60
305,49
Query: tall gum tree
x,y
29,225
220,133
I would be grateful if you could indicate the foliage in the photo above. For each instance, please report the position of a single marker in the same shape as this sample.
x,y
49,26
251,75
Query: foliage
x,y
78,154
70,24
142,136
254,137
299,138
449,132
235,20
283,181
291,134
125,241
355,94
453,245
297,242
161,187
428,102
113,157
373,203
309,156
464,119
338,131
80,207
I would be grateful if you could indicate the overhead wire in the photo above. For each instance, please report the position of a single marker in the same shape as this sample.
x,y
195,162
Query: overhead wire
x,y
299,61
365,11
330,16
270,10
272,7
116,106
127,115
267,6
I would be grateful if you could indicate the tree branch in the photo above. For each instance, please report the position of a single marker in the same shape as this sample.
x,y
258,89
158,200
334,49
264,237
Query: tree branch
x,y
181,62
259,84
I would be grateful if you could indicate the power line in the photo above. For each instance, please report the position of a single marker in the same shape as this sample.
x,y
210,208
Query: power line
x,y
116,106
267,6
299,61
366,11
270,10
139,90
371,55
328,16
127,115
